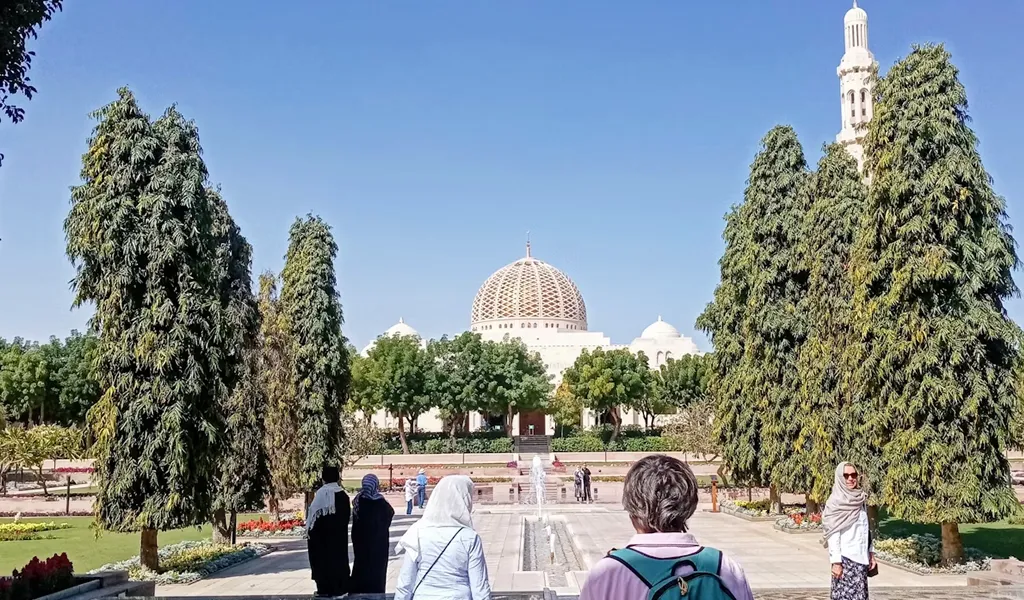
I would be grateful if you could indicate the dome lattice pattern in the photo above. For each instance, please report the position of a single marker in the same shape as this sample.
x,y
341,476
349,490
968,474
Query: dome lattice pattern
x,y
529,289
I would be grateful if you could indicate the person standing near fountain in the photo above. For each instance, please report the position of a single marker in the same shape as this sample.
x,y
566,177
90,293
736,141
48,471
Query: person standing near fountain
x,y
586,484
660,496
577,480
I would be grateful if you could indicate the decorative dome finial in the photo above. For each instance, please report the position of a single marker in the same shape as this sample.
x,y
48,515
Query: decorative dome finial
x,y
527,244
855,3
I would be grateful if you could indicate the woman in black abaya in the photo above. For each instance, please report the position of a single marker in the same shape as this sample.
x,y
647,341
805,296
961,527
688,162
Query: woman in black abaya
x,y
371,526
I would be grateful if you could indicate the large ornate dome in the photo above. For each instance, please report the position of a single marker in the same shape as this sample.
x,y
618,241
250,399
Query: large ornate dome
x,y
526,294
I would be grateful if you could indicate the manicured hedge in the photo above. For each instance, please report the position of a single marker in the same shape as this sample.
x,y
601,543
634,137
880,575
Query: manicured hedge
x,y
634,444
441,443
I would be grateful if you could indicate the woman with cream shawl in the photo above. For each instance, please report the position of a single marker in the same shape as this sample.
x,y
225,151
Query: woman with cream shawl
x,y
444,557
847,533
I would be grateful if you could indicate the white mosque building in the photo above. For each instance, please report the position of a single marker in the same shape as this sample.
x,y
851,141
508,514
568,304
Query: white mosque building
x,y
535,302
532,300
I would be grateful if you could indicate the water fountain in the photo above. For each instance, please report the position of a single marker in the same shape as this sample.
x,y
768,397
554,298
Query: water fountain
x,y
537,477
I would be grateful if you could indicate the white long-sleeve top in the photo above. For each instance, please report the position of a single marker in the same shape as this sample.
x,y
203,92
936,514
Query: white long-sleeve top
x,y
459,574
854,542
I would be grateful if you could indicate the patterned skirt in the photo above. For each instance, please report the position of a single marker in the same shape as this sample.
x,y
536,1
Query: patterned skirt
x,y
853,585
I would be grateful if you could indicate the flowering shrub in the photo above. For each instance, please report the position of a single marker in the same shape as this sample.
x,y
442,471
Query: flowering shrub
x,y
923,553
758,508
263,528
38,578
512,464
6,514
187,562
22,527
66,470
799,521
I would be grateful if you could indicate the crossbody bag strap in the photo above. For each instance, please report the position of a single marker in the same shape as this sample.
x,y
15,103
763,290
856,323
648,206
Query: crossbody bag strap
x,y
422,579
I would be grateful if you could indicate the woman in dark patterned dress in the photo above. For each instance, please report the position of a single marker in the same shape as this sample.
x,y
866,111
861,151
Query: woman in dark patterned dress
x,y
847,533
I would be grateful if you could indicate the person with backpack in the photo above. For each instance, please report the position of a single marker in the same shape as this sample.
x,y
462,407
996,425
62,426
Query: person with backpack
x,y
662,561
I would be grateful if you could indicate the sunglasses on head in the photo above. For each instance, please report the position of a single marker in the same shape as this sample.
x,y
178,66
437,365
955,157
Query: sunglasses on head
x,y
849,475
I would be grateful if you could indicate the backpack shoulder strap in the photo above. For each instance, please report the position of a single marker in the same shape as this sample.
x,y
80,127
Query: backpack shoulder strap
x,y
707,560
647,569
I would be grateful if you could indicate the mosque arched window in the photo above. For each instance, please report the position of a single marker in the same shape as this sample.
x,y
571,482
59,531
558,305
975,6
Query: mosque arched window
x,y
864,102
853,104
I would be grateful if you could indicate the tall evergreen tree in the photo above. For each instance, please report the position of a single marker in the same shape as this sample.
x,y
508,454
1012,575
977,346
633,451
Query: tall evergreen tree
x,y
738,424
757,314
776,201
311,306
244,475
277,378
932,268
826,434
140,235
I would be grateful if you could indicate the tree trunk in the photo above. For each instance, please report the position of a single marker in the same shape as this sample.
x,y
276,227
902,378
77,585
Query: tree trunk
x,y
812,506
776,500
509,416
148,556
401,433
221,532
873,520
274,508
42,480
616,423
952,545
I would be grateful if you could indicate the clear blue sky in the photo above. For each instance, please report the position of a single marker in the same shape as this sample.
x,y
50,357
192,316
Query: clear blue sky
x,y
433,135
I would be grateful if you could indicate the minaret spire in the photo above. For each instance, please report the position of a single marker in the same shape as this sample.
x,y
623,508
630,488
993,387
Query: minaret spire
x,y
527,244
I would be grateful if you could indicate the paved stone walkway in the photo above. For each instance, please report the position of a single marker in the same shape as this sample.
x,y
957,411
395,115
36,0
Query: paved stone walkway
x,y
771,559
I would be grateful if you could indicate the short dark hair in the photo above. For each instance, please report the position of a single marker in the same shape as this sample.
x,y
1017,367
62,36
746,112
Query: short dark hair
x,y
331,475
660,494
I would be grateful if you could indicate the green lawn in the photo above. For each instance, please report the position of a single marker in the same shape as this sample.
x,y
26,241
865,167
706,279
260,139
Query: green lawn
x,y
85,550
998,539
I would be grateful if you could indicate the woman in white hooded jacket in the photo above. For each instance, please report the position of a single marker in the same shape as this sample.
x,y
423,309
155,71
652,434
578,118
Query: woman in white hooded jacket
x,y
444,556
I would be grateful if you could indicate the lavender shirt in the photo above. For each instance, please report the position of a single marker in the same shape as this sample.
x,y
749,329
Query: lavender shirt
x,y
611,580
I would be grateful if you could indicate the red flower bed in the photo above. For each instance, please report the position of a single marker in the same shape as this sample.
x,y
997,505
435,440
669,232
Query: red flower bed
x,y
269,526
38,578
799,518
63,470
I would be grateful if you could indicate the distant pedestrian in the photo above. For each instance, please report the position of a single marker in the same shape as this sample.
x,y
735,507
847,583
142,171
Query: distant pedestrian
x,y
444,556
327,533
421,488
850,547
410,494
577,479
586,485
662,560
371,538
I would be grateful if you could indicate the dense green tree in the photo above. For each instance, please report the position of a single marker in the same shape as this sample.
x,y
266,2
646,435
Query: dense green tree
x,y
828,432
140,234
25,375
607,380
681,381
76,377
19,21
933,265
244,475
457,378
276,370
394,378
566,408
312,309
513,380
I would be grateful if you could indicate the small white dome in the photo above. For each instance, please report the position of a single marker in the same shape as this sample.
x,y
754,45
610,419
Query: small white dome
x,y
660,330
400,328
856,15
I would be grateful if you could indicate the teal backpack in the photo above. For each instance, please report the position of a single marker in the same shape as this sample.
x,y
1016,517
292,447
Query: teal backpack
x,y
659,574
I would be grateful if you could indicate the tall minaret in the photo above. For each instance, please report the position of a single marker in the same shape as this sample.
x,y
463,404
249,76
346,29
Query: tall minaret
x,y
854,71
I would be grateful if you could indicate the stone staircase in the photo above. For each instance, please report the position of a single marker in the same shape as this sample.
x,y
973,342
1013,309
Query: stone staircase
x,y
533,444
